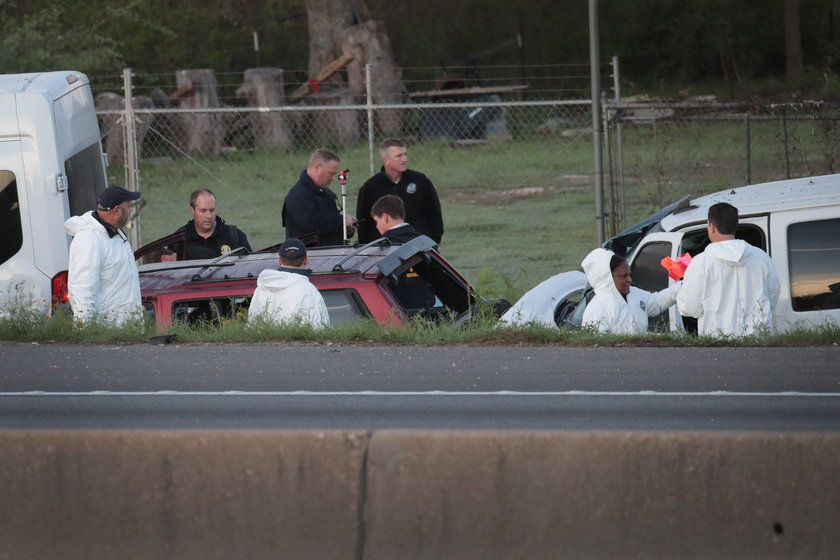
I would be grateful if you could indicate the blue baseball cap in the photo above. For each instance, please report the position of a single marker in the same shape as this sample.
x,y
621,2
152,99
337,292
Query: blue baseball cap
x,y
114,196
292,248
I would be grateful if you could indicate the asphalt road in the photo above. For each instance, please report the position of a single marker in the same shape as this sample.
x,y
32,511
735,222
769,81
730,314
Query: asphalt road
x,y
375,387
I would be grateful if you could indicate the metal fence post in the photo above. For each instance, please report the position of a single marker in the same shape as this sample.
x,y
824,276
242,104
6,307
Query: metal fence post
x,y
785,143
608,143
595,86
132,172
748,148
619,146
369,103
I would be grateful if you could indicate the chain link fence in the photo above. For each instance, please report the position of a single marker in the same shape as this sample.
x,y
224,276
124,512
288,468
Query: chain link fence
x,y
657,152
514,170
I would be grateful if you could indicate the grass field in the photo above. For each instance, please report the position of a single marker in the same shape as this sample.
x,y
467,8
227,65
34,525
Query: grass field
x,y
515,212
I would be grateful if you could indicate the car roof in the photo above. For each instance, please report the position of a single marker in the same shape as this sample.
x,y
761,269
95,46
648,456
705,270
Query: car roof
x,y
55,84
350,260
761,198
806,192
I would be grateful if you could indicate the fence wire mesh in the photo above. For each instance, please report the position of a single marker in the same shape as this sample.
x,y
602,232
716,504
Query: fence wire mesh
x,y
657,152
514,173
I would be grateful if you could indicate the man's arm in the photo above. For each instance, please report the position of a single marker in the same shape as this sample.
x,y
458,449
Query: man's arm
x,y
659,302
774,287
242,240
690,296
433,211
367,228
84,271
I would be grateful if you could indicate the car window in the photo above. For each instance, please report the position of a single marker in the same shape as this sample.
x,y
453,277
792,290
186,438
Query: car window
x,y
344,306
11,234
814,260
210,311
85,179
648,274
647,270
694,242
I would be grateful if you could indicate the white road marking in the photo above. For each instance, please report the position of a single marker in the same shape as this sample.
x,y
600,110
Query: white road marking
x,y
576,393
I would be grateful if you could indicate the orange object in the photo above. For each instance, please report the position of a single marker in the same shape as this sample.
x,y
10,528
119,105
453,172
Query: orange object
x,y
676,268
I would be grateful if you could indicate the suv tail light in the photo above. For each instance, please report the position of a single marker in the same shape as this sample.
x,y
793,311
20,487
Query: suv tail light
x,y
60,294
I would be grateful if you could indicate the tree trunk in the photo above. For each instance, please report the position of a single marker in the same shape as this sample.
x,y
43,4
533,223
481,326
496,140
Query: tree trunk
x,y
263,87
333,127
368,43
203,132
327,22
793,40
114,129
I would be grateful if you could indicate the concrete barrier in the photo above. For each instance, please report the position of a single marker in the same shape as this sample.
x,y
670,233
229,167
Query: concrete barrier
x,y
603,495
148,495
414,494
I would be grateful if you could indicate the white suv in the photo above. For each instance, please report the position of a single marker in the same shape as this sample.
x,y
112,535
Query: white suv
x,y
796,221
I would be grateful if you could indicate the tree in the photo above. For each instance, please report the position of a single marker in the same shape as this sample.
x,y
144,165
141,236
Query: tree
x,y
45,40
793,40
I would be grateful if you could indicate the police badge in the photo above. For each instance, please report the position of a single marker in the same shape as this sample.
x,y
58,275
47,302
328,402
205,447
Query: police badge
x,y
411,188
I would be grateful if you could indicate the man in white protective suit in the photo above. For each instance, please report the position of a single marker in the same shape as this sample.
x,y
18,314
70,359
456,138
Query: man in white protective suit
x,y
618,307
285,296
731,287
102,278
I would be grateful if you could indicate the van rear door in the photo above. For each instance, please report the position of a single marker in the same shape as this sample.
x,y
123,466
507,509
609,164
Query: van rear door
x,y
21,283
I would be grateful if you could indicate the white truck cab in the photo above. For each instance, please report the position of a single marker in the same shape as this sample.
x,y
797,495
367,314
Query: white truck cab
x,y
796,221
51,167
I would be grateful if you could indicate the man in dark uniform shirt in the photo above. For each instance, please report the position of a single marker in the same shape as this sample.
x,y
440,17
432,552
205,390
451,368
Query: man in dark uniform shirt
x,y
422,206
389,214
311,211
206,235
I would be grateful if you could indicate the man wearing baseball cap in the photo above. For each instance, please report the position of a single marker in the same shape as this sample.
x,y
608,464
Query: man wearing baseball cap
x,y
102,277
285,296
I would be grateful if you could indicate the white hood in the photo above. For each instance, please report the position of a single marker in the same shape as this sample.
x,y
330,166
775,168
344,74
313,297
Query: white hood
x,y
732,251
77,223
287,297
596,265
278,280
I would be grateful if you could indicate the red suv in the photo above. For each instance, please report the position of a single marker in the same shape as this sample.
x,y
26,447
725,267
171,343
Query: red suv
x,y
389,283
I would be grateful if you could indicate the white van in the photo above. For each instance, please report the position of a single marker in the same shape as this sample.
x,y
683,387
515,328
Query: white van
x,y
796,221
51,167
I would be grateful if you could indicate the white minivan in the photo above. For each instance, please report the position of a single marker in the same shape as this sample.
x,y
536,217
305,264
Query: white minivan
x,y
51,167
796,221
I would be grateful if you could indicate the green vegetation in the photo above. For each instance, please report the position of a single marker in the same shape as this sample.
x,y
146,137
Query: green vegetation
x,y
483,332
666,46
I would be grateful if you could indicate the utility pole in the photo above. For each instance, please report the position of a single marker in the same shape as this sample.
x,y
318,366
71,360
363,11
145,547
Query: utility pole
x,y
595,79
